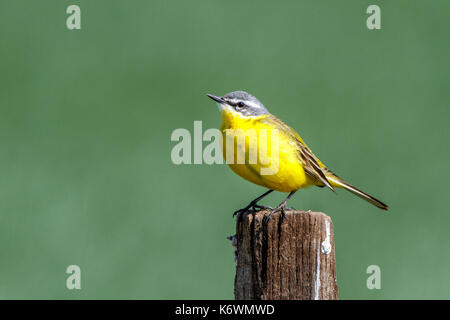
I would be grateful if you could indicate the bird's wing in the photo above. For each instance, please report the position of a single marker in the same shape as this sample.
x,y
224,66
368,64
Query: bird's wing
x,y
311,164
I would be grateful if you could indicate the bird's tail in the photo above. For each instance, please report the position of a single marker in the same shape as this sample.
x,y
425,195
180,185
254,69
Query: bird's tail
x,y
338,182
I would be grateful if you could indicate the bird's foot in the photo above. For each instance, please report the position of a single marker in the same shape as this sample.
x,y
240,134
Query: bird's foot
x,y
282,208
257,207
252,208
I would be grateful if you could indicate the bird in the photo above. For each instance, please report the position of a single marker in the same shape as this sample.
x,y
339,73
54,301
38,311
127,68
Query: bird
x,y
297,168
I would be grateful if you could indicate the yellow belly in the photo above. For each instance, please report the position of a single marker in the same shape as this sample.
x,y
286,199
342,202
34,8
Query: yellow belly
x,y
288,174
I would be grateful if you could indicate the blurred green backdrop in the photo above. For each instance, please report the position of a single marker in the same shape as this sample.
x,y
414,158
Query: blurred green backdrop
x,y
86,117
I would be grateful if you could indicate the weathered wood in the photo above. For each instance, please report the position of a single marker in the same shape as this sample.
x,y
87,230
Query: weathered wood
x,y
289,258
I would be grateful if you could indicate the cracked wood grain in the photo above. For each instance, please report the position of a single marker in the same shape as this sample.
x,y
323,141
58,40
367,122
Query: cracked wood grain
x,y
286,259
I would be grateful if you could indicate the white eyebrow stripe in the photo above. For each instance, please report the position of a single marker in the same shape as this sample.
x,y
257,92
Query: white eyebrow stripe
x,y
252,104
249,103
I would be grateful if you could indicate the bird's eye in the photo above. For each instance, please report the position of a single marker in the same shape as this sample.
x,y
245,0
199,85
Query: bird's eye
x,y
241,104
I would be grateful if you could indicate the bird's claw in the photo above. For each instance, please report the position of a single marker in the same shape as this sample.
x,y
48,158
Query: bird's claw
x,y
257,207
251,208
282,209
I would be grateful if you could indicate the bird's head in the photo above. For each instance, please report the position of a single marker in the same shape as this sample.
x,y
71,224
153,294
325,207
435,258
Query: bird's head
x,y
240,102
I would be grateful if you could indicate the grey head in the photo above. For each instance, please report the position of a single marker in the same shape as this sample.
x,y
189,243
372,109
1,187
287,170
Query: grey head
x,y
241,102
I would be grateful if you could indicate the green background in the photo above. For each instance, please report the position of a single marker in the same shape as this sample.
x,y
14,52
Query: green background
x,y
86,117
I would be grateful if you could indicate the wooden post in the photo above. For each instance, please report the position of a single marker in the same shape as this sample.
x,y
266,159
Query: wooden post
x,y
289,258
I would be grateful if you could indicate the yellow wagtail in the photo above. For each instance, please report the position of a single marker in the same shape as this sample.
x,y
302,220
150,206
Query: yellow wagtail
x,y
297,168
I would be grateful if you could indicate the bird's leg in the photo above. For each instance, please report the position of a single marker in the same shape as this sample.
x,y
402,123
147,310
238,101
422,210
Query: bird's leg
x,y
281,207
254,206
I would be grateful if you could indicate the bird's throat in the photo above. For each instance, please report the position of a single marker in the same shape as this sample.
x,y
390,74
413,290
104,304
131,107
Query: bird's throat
x,y
234,120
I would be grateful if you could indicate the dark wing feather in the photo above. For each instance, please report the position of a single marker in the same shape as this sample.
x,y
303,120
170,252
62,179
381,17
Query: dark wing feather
x,y
312,168
311,164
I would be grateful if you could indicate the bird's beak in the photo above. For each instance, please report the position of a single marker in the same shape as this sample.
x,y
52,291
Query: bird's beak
x,y
215,98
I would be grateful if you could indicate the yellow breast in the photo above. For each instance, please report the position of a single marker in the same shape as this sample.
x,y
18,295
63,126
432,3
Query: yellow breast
x,y
276,166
